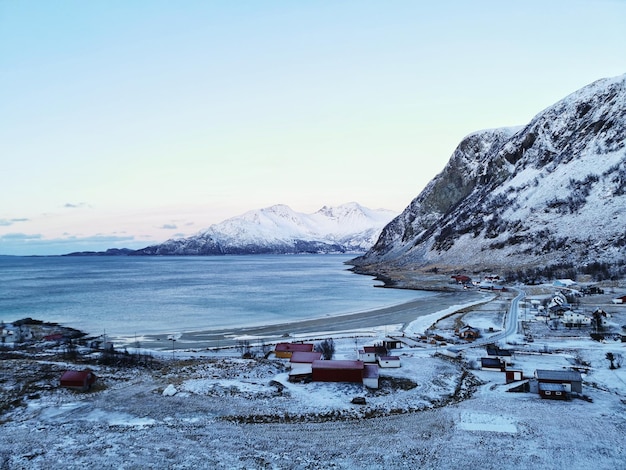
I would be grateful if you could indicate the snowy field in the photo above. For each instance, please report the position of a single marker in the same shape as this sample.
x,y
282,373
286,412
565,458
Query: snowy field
x,y
216,410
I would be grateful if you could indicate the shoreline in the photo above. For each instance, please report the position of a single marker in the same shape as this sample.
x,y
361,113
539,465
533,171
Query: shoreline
x,y
403,314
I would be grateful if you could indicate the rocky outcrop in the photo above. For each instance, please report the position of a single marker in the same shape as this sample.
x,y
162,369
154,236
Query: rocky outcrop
x,y
550,193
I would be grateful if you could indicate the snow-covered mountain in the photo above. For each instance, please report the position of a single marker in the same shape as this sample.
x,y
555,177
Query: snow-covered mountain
x,y
349,228
549,194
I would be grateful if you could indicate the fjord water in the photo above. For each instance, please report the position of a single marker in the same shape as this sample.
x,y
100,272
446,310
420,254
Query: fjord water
x,y
123,296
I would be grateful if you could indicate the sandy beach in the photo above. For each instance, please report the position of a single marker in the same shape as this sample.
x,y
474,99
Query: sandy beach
x,y
401,314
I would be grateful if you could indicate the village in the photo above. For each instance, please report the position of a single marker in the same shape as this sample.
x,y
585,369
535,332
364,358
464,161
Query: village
x,y
561,313
558,342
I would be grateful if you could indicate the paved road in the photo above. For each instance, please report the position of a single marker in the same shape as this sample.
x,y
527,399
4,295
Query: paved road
x,y
510,326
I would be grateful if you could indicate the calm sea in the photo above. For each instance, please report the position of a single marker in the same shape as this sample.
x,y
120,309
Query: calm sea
x,y
146,295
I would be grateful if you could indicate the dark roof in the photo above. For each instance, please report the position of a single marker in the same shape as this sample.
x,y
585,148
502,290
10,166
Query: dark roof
x,y
490,362
567,375
495,351
389,358
338,364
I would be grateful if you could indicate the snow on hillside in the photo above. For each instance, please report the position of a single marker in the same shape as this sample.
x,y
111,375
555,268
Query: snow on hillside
x,y
214,409
548,194
279,229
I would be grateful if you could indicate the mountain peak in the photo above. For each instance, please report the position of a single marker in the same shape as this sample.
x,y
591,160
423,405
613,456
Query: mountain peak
x,y
279,229
550,193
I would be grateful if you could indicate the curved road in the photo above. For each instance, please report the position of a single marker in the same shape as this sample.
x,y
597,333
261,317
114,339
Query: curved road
x,y
510,325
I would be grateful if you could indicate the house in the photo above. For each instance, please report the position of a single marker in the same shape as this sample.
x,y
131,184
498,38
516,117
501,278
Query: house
x,y
370,375
469,334
564,283
285,350
575,319
553,391
504,355
619,300
81,380
570,379
338,371
388,361
461,279
492,363
370,353
301,365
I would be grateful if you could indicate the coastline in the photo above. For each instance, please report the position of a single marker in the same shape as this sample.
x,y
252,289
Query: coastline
x,y
405,314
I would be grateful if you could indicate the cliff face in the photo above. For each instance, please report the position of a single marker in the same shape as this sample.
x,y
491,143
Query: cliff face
x,y
552,192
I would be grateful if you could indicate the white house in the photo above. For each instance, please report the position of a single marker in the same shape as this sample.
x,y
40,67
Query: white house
x,y
571,318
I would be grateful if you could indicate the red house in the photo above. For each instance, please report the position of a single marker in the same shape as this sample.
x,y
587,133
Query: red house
x,y
338,371
285,350
81,380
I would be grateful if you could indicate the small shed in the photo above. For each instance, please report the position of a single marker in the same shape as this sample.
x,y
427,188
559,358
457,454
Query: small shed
x,y
370,375
619,300
338,371
570,379
300,372
514,376
285,350
388,361
492,363
81,380
392,344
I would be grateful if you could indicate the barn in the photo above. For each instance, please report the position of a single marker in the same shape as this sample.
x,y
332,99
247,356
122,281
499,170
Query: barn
x,y
78,379
338,371
285,350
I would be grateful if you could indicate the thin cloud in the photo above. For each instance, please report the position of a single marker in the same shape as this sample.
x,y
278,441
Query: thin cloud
x,y
7,222
13,237
169,226
71,205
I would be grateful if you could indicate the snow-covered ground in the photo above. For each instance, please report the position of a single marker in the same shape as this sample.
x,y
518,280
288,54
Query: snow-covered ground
x,y
215,409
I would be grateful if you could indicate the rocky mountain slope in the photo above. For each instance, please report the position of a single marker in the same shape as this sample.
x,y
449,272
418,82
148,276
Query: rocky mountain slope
x,y
546,195
349,228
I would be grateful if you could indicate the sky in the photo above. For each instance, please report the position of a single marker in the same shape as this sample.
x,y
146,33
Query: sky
x,y
127,123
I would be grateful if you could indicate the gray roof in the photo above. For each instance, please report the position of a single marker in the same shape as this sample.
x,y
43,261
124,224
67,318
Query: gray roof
x,y
552,387
566,375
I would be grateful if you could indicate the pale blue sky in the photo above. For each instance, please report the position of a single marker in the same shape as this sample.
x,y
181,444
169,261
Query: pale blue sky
x,y
124,123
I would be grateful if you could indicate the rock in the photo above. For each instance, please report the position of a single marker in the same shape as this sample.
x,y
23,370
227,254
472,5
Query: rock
x,y
358,401
170,391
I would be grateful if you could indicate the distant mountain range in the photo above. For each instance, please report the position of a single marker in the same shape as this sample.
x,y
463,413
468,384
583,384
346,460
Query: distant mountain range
x,y
348,228
547,196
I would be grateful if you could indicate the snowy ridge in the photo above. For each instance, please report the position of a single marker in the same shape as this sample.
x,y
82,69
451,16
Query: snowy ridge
x,y
550,193
278,229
